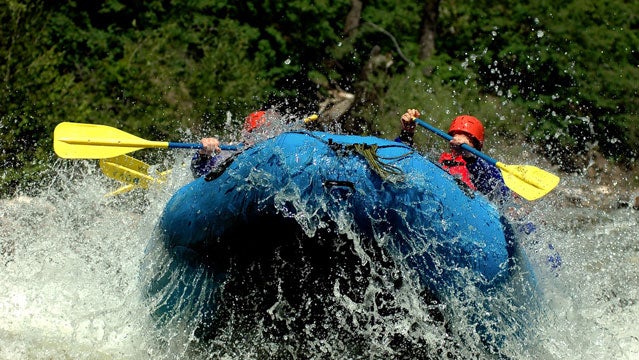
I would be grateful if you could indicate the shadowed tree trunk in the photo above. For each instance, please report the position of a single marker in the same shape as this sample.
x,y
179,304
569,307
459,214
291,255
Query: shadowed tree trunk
x,y
353,18
428,29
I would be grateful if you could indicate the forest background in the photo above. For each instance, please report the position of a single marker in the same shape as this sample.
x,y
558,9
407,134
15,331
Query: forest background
x,y
561,77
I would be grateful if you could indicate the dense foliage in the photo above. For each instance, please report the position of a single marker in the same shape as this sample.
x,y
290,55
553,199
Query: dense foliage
x,y
562,74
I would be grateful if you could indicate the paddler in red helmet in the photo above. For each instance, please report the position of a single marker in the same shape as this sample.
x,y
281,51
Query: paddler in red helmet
x,y
475,172
210,155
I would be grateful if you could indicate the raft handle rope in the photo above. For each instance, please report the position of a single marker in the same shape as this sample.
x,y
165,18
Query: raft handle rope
x,y
369,151
384,170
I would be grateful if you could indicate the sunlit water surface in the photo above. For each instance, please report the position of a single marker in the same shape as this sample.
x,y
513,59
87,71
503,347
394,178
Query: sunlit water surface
x,y
70,283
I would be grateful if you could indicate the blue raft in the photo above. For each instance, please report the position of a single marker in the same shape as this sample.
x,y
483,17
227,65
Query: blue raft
x,y
308,188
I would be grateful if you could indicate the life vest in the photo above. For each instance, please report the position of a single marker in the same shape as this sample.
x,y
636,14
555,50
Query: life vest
x,y
456,166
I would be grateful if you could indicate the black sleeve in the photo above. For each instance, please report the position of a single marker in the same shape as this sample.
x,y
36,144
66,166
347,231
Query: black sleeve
x,y
200,164
406,137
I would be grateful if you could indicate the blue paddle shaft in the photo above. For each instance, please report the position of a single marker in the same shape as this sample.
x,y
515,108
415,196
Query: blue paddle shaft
x,y
176,145
448,137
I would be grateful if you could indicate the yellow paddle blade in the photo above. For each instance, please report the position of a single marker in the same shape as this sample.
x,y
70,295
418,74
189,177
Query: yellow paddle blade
x,y
528,181
90,141
121,190
113,167
131,171
311,118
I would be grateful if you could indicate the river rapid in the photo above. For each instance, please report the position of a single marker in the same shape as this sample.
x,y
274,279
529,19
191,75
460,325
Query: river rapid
x,y
70,285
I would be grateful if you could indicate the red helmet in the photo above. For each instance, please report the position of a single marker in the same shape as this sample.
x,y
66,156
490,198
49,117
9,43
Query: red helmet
x,y
470,126
254,120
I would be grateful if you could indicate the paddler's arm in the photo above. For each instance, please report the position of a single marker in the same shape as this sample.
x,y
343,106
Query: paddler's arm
x,y
201,162
408,127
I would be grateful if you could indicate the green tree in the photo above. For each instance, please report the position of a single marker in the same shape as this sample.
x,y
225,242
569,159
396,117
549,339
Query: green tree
x,y
560,74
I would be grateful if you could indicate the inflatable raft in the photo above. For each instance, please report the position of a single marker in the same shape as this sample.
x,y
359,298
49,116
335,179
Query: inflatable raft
x,y
299,198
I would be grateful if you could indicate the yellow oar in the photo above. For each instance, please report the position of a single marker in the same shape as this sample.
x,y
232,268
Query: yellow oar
x,y
131,171
311,118
90,141
526,180
121,190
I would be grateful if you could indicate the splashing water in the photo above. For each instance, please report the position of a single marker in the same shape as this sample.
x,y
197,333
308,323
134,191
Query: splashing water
x,y
70,287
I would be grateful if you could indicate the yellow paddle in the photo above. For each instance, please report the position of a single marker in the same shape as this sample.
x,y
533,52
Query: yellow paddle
x,y
90,141
121,190
131,171
526,180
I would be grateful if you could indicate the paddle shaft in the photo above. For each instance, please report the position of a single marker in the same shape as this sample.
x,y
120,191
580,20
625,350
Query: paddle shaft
x,y
175,145
144,144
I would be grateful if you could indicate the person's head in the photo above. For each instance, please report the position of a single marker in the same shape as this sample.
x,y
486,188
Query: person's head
x,y
469,126
254,120
260,125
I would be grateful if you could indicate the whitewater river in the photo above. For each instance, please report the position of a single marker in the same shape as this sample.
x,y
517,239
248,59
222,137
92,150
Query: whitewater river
x,y
70,285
